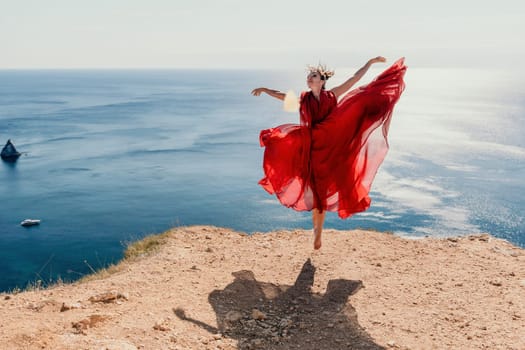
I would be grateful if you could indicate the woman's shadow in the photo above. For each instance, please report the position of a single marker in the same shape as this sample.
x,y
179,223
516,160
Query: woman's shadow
x,y
262,315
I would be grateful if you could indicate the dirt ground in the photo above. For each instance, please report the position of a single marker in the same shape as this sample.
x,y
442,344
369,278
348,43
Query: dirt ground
x,y
213,288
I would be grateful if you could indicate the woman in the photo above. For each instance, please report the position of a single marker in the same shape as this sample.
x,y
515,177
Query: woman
x,y
329,161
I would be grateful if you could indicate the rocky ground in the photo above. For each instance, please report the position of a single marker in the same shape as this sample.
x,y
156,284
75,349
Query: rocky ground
x,y
212,288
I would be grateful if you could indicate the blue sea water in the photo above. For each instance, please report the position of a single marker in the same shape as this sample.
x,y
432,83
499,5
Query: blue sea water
x,y
113,155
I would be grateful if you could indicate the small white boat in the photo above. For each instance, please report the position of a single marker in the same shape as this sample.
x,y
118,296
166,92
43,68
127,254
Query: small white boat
x,y
30,222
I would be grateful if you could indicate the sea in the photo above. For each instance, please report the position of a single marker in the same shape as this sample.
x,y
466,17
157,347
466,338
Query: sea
x,y
111,156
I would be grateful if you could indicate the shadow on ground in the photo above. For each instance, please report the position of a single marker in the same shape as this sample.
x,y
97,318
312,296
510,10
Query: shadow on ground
x,y
261,315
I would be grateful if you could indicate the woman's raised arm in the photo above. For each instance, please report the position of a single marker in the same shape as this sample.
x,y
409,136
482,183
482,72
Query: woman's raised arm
x,y
274,93
344,87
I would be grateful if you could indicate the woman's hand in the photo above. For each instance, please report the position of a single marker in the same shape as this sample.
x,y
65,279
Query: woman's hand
x,y
345,87
258,91
377,59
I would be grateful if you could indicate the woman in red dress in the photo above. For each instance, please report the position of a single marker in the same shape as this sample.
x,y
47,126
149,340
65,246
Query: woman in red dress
x,y
329,161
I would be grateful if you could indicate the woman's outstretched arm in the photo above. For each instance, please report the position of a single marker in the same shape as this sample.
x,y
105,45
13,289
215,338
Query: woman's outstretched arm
x,y
344,87
274,93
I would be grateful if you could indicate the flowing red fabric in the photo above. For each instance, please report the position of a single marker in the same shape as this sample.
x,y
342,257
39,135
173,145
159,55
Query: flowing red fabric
x,y
329,161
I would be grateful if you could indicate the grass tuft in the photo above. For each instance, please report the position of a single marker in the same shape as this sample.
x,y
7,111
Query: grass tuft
x,y
145,246
134,250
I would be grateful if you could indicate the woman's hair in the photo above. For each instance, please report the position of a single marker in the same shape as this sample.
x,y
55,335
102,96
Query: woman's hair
x,y
324,72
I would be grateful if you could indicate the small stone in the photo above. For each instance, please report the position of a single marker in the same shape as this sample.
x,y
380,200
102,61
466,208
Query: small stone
x,y
233,316
159,326
81,326
70,306
496,283
285,322
108,297
89,322
258,315
7,297
391,343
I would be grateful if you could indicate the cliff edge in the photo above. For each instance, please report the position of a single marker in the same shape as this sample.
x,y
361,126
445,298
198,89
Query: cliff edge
x,y
214,288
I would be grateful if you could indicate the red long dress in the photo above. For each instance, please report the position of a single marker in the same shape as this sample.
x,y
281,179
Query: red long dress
x,y
329,161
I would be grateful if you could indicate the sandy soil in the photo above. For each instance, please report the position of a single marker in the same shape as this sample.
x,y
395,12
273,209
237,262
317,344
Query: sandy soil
x,y
212,288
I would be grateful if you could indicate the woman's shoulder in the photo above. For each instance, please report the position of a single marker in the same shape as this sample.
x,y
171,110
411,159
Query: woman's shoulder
x,y
329,96
329,93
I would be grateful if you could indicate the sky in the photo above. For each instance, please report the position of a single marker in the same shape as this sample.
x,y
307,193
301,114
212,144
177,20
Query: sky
x,y
267,34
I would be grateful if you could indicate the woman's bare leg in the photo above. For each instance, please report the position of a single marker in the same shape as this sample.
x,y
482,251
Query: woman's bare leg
x,y
318,221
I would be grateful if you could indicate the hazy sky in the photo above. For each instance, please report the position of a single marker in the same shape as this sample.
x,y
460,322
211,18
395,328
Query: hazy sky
x,y
258,34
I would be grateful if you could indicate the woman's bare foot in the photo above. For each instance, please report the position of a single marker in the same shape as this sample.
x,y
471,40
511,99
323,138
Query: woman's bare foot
x,y
317,239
